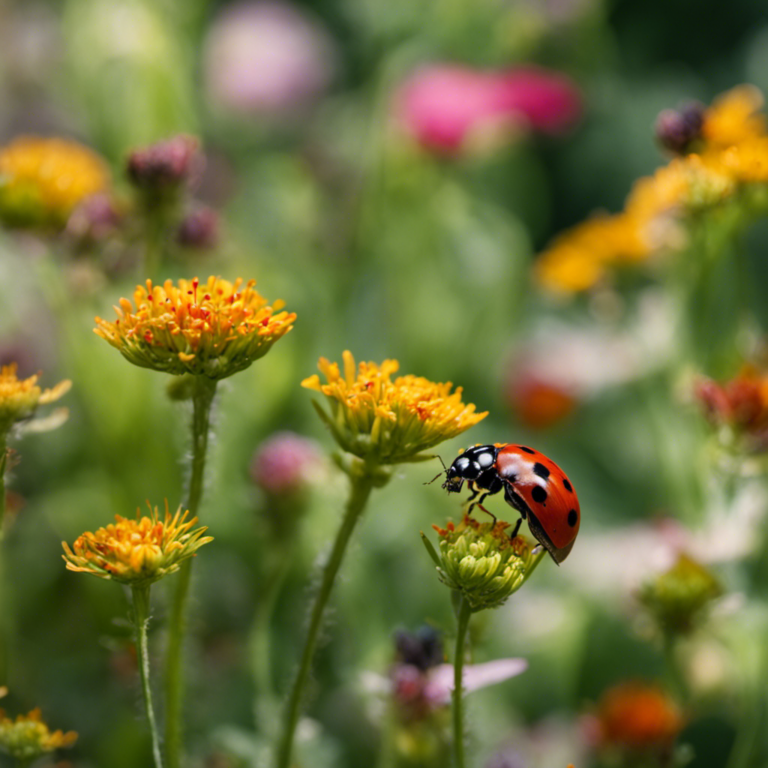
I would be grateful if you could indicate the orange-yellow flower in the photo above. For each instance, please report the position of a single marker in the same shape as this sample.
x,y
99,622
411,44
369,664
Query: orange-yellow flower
x,y
19,398
137,551
638,716
734,117
42,180
578,259
212,329
27,737
389,421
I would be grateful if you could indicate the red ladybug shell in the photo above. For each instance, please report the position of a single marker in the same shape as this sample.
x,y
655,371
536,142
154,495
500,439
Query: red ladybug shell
x,y
549,500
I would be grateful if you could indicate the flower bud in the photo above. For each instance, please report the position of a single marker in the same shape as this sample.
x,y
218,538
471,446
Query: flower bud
x,y
95,219
678,599
480,561
199,229
678,129
284,464
162,169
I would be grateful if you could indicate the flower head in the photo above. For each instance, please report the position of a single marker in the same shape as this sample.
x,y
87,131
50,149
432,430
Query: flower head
x,y
42,180
638,716
678,598
214,329
285,464
389,421
480,561
19,398
678,129
450,108
164,168
734,117
199,229
27,737
137,551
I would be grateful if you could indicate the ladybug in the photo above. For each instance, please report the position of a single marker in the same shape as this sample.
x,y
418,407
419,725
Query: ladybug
x,y
533,484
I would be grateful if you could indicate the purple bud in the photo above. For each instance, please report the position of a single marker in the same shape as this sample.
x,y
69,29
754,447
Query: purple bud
x,y
678,129
199,229
165,165
285,463
96,218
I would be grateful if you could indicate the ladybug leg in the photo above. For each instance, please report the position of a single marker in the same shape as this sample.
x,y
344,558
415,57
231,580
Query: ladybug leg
x,y
516,528
479,504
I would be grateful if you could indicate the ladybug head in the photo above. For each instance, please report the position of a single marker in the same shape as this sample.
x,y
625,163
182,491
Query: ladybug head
x,y
462,469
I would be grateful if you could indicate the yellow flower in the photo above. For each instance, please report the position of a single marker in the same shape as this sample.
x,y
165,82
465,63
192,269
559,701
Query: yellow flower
x,y
42,180
734,117
137,551
214,329
389,421
747,161
577,260
27,737
19,398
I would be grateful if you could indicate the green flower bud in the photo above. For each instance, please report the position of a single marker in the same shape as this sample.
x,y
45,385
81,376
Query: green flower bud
x,y
678,599
480,561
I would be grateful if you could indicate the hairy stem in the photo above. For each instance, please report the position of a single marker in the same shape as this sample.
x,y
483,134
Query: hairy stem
x,y
463,615
361,485
141,620
202,400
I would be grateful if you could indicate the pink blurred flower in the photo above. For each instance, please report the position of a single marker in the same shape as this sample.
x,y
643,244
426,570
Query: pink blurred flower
x,y
449,107
267,57
286,463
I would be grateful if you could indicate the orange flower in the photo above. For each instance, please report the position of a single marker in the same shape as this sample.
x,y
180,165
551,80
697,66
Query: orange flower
x,y
137,551
27,737
741,402
390,421
214,329
639,716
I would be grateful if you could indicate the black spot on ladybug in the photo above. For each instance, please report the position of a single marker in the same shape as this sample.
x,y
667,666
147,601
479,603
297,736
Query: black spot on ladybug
x,y
566,485
527,450
541,470
573,517
538,494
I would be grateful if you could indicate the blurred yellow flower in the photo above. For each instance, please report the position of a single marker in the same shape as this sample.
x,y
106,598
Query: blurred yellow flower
x,y
577,259
19,398
27,737
389,421
137,551
212,329
734,117
42,180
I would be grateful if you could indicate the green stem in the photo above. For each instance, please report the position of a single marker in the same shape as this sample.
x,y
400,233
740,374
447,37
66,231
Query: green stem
x,y
202,400
3,464
361,486
153,242
463,616
141,620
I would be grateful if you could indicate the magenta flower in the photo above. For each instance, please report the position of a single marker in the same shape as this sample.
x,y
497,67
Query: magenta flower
x,y
449,108
286,463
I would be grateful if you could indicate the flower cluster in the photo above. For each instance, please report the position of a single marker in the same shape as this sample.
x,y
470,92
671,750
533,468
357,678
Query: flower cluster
x,y
738,406
42,180
27,737
19,398
678,598
137,551
480,561
213,329
389,421
720,151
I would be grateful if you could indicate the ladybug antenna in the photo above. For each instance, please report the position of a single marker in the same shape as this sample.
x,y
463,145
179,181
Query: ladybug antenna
x,y
440,474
